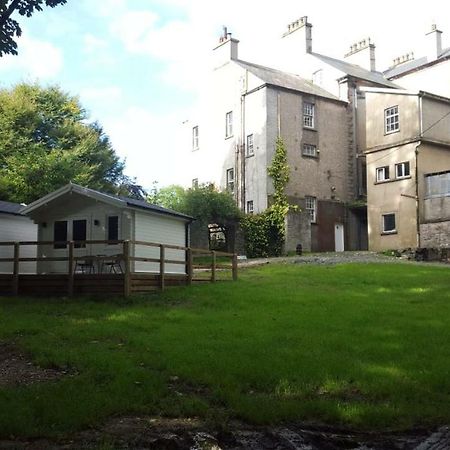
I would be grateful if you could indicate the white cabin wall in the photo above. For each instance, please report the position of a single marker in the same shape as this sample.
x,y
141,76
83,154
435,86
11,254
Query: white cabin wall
x,y
160,230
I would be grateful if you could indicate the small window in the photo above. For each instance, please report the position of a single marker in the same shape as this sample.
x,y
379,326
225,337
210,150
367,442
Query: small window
x,y
113,228
195,138
391,120
250,207
311,208
229,124
402,170
388,223
230,180
250,148
60,234
195,183
382,174
79,228
308,115
309,150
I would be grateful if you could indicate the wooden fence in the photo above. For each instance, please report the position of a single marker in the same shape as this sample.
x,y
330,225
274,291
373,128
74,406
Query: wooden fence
x,y
122,282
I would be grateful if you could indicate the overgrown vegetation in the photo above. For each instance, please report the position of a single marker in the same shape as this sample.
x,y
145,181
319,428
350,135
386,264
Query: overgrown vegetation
x,y
265,232
364,346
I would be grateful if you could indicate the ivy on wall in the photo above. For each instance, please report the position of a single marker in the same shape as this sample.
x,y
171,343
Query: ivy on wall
x,y
265,232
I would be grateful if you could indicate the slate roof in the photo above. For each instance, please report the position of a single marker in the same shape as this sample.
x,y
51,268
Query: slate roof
x,y
284,79
10,208
356,71
411,65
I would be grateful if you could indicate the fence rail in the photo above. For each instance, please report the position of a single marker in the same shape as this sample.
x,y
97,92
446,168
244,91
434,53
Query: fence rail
x,y
128,280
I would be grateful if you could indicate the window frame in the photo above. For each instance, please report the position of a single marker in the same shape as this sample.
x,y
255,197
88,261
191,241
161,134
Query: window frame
x,y
195,138
230,181
229,124
250,145
384,170
55,239
108,225
311,207
383,223
250,207
313,154
391,120
309,115
404,165
440,179
79,238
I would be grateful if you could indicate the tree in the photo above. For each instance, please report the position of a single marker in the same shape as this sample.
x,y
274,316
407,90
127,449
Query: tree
x,y
10,28
46,142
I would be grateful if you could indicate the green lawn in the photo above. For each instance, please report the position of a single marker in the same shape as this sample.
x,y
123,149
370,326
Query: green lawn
x,y
366,346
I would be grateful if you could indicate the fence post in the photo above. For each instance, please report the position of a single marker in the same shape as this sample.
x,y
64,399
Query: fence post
x,y
213,266
235,267
189,264
15,287
162,266
127,272
71,270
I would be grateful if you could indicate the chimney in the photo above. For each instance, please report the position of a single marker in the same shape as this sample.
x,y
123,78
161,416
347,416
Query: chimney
x,y
403,59
227,49
301,30
434,43
362,54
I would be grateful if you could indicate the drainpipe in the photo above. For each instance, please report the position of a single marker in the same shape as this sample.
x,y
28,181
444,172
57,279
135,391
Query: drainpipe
x,y
416,152
242,148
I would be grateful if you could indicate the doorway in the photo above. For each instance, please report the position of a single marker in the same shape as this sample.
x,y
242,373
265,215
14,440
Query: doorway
x,y
338,237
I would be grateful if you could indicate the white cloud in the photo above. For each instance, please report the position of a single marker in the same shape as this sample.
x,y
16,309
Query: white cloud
x,y
36,59
92,44
103,94
149,144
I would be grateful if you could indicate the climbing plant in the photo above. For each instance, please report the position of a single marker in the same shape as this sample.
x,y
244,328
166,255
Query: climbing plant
x,y
265,232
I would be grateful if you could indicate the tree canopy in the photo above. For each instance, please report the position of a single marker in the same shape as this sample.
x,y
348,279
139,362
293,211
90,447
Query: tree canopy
x,y
204,202
46,142
10,28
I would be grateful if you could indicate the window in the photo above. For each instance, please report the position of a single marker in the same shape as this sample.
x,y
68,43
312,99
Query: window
x,y
195,138
250,148
308,115
382,174
388,223
229,124
402,170
391,120
60,234
309,150
437,184
250,207
230,180
195,183
79,228
113,228
311,207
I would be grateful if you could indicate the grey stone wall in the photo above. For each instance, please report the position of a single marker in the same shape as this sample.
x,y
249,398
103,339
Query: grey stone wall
x,y
435,235
298,231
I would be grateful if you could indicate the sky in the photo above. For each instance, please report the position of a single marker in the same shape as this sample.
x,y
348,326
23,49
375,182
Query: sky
x,y
139,66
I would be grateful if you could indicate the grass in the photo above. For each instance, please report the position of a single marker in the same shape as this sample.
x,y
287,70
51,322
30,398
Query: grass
x,y
364,346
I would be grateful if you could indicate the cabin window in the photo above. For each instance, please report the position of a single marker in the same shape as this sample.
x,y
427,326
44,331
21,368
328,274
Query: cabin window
x,y
79,232
60,234
113,228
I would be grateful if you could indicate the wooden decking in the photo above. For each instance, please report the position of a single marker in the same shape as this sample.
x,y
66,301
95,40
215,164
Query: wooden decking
x,y
114,284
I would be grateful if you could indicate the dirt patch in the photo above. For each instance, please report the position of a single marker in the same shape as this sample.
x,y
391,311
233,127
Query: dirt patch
x,y
16,369
178,434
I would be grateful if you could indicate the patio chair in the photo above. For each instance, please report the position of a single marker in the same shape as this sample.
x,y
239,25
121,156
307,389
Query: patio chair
x,y
114,264
86,265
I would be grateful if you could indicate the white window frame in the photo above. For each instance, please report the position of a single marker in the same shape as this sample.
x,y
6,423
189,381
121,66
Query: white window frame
x,y
107,226
382,174
310,150
402,170
195,138
383,223
194,183
391,120
311,207
250,150
309,110
250,207
229,124
230,180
